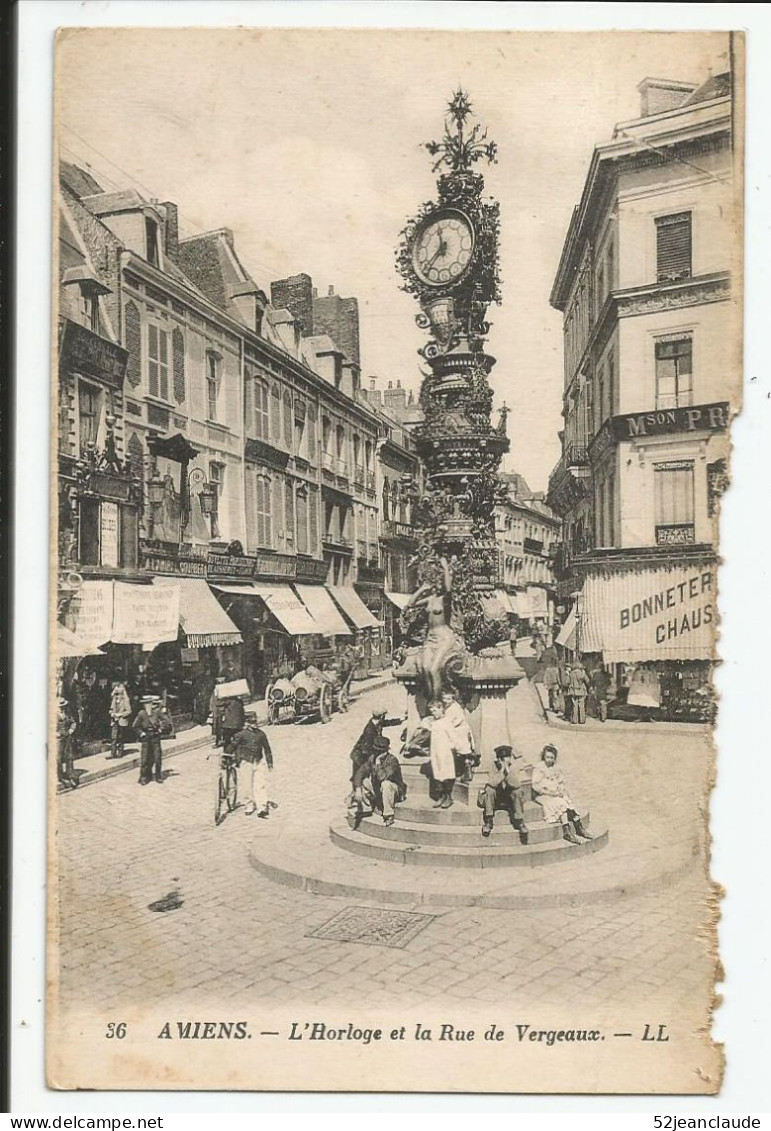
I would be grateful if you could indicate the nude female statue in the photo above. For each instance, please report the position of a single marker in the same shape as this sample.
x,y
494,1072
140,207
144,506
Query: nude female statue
x,y
441,646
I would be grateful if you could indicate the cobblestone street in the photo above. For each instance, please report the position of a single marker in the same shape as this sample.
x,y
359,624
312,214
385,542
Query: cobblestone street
x,y
236,935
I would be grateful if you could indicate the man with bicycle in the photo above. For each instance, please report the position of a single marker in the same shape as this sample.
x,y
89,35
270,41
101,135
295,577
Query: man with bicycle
x,y
252,754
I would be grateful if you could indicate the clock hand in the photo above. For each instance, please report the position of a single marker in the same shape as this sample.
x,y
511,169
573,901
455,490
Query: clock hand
x,y
439,251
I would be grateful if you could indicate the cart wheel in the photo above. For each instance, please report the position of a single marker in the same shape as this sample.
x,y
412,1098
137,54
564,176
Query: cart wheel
x,y
273,712
232,788
325,707
220,800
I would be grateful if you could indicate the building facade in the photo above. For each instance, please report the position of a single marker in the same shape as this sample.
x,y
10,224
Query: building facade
x,y
214,449
527,533
651,362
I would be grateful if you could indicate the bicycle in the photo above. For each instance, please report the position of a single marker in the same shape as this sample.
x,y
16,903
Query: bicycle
x,y
227,787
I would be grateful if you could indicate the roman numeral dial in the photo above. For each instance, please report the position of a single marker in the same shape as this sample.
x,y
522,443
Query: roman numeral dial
x,y
443,248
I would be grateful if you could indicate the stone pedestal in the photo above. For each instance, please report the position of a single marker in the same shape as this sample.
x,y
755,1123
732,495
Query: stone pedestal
x,y
487,697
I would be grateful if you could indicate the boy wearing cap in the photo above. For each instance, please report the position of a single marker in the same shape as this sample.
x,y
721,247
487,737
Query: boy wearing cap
x,y
380,779
250,748
364,747
151,724
503,791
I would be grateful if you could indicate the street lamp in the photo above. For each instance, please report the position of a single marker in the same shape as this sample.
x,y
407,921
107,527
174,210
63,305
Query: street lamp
x,y
208,496
578,607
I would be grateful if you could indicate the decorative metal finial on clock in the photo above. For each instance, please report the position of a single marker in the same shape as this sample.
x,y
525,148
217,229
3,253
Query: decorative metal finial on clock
x,y
457,151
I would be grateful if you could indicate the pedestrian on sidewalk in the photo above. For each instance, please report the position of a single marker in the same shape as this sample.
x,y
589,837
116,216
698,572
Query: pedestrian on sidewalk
x,y
567,702
253,756
66,741
578,688
120,717
551,681
151,724
600,689
551,793
216,706
503,790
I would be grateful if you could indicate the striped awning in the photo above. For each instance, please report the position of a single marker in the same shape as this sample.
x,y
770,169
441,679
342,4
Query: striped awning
x,y
323,609
353,607
505,600
202,618
567,634
398,599
281,601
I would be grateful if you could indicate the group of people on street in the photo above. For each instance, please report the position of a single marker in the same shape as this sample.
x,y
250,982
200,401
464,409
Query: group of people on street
x,y
570,688
376,774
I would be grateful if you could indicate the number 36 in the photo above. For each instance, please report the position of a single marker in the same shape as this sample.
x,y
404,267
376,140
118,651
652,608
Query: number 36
x,y
116,1029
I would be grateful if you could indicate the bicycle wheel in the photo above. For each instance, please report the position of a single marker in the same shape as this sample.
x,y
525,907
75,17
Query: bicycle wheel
x,y
220,799
231,788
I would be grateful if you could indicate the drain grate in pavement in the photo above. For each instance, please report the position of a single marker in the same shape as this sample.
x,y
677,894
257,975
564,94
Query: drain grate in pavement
x,y
372,926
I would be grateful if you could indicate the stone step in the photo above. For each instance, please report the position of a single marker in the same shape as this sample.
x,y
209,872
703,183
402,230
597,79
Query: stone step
x,y
481,855
459,836
419,783
421,811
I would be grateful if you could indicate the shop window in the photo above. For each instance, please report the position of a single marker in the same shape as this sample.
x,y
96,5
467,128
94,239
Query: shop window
x,y
674,502
158,361
261,412
89,414
89,531
674,373
212,385
264,511
673,247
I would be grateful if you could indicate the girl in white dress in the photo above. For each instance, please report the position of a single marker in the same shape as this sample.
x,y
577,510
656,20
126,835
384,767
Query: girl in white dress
x,y
551,793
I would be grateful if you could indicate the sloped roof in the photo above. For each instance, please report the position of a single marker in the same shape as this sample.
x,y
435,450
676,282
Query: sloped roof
x,y
78,180
716,86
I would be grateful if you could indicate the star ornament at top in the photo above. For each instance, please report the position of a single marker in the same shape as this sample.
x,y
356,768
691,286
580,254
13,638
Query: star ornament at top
x,y
457,151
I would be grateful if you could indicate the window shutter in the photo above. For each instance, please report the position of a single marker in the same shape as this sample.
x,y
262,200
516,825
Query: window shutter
x,y
129,533
278,509
673,247
289,511
275,414
313,521
178,356
302,521
133,341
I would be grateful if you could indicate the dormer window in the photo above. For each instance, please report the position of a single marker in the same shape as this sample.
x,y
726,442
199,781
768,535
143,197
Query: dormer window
x,y
151,241
89,308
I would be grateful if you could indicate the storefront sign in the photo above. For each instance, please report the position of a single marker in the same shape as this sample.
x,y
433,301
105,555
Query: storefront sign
x,y
145,614
89,613
665,614
695,418
108,534
87,352
227,565
189,655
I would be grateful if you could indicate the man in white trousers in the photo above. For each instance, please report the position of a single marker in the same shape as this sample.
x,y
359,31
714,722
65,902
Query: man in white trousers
x,y
254,757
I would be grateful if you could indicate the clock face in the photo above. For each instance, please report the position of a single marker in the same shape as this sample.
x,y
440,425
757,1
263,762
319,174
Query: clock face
x,y
443,248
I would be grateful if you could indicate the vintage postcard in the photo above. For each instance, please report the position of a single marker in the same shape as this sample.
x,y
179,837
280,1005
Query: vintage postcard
x,y
394,376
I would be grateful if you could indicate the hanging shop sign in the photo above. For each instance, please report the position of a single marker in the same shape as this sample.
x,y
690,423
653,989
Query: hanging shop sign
x,y
538,600
89,613
145,614
83,350
650,614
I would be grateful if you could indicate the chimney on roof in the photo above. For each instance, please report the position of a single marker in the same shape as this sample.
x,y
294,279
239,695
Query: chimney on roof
x,y
331,291
659,95
395,398
373,394
315,292
172,230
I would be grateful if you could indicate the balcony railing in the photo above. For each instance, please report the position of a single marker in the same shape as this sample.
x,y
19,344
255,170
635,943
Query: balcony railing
x,y
392,528
676,534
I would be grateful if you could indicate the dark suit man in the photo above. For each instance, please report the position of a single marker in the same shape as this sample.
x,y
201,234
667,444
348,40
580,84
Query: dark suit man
x,y
151,724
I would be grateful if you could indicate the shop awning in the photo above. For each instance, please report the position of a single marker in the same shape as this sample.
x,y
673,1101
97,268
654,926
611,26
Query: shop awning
x,y
353,607
641,615
398,599
504,600
282,602
567,634
68,644
201,617
323,610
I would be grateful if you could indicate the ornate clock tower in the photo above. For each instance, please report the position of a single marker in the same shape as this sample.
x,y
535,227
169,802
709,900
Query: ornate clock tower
x,y
448,258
